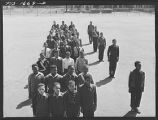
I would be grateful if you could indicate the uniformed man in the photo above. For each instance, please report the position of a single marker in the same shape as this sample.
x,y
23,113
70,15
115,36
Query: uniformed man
x,y
136,86
101,46
113,57
90,30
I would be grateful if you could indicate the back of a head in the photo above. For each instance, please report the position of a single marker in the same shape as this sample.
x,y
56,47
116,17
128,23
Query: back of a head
x,y
136,63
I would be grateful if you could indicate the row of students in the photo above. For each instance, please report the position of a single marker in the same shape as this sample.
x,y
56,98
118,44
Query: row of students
x,y
68,104
62,48
64,83
62,64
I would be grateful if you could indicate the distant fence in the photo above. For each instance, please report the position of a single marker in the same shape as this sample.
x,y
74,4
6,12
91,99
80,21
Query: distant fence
x,y
32,10
50,10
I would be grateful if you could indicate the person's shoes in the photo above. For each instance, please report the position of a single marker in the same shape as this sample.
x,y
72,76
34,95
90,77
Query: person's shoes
x,y
110,76
132,110
137,110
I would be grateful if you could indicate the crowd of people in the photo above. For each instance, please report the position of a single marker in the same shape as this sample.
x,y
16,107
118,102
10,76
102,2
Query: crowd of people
x,y
60,84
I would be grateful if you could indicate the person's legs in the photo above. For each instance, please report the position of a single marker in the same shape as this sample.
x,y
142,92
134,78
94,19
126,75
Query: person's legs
x,y
102,52
114,67
88,113
99,53
89,38
133,100
110,68
138,98
96,44
93,44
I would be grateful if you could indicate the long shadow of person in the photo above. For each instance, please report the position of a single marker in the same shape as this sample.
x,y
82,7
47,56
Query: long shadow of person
x,y
89,53
94,63
103,82
24,103
130,114
86,44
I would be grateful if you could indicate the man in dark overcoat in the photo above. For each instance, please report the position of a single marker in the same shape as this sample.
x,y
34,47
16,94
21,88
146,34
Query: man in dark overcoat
x,y
113,57
136,86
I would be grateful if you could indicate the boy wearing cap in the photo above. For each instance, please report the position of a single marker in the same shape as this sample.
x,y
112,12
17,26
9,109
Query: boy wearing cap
x,y
88,98
40,102
56,102
71,100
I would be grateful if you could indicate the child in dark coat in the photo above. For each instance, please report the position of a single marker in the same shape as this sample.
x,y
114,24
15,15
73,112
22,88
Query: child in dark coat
x,y
40,102
88,97
71,101
56,102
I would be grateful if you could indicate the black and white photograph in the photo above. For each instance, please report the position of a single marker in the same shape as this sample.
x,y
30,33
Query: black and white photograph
x,y
78,60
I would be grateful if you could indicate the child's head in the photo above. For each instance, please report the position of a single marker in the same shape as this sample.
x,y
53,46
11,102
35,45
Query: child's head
x,y
41,88
56,88
87,79
35,68
71,85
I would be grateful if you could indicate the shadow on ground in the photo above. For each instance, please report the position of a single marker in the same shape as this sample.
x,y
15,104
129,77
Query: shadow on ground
x,y
89,53
130,114
24,103
103,82
86,44
94,63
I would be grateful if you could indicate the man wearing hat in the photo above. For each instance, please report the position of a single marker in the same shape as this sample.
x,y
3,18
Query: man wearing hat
x,y
51,78
136,86
113,57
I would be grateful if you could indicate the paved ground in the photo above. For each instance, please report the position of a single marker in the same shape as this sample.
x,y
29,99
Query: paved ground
x,y
23,39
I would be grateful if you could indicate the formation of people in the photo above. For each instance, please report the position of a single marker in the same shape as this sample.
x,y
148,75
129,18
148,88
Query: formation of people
x,y
60,84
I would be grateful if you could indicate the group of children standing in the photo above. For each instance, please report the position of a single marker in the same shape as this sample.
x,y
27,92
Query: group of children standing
x,y
60,85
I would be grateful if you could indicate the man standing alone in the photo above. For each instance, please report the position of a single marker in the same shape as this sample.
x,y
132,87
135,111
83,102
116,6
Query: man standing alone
x,y
113,57
136,86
